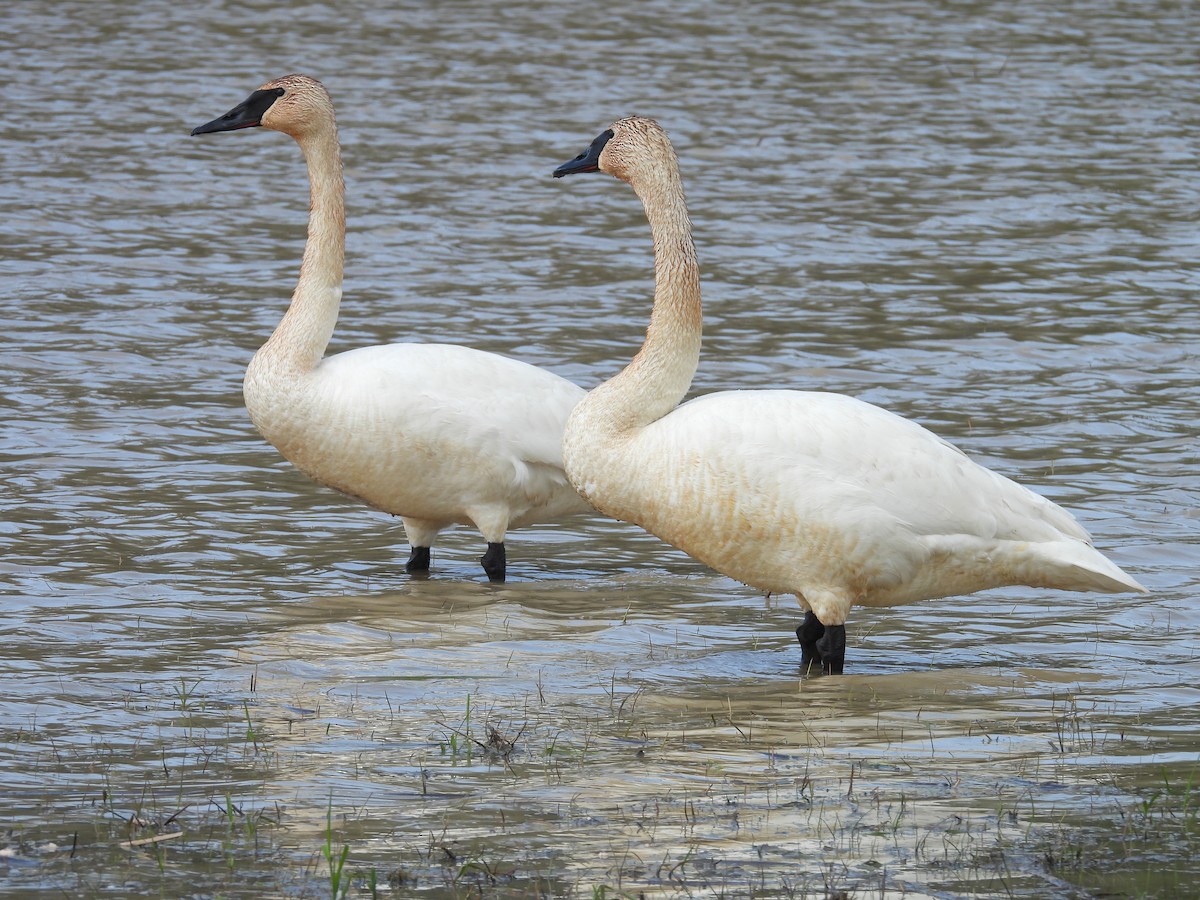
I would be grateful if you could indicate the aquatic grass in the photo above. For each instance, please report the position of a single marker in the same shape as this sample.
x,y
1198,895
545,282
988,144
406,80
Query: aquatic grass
x,y
184,693
251,734
334,859
538,794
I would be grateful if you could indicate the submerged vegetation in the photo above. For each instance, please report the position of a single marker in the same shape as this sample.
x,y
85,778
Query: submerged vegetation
x,y
606,792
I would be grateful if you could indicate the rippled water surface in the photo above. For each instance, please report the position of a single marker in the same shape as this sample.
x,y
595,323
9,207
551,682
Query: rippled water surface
x,y
981,217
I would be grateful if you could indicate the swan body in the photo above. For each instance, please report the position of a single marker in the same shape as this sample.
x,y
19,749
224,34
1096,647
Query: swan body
x,y
816,494
436,434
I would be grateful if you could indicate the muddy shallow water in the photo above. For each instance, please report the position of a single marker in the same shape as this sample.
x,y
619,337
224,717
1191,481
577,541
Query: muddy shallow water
x,y
980,219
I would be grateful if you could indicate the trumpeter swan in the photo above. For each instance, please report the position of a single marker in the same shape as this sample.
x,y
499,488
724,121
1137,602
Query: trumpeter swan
x,y
436,434
815,494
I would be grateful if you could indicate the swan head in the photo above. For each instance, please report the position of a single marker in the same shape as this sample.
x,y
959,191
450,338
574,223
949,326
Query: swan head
x,y
294,104
627,148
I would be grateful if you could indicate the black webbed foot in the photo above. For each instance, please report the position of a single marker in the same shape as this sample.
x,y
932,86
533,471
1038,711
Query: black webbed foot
x,y
418,562
821,646
808,633
494,561
832,647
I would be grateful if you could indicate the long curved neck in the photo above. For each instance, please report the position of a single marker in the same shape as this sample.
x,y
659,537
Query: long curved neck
x,y
300,339
661,373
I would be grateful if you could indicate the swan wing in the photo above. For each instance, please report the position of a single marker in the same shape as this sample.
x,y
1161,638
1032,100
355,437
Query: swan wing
x,y
499,405
426,431
817,493
844,457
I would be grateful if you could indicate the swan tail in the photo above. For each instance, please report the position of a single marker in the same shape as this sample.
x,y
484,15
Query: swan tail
x,y
1080,567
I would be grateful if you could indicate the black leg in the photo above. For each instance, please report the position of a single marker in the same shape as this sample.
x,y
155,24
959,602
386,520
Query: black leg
x,y
810,631
493,561
418,562
832,647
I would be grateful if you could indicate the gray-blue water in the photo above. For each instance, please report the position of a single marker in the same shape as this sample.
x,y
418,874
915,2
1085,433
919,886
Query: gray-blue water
x,y
980,217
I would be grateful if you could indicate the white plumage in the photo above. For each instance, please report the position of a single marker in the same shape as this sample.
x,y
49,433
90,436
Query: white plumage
x,y
437,434
815,494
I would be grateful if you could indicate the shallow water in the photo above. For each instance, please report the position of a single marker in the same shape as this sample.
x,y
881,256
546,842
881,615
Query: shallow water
x,y
979,218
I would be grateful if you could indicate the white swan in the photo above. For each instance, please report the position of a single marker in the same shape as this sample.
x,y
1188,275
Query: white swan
x,y
436,434
815,494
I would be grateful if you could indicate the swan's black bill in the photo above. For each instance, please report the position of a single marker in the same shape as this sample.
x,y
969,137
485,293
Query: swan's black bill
x,y
247,114
588,160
